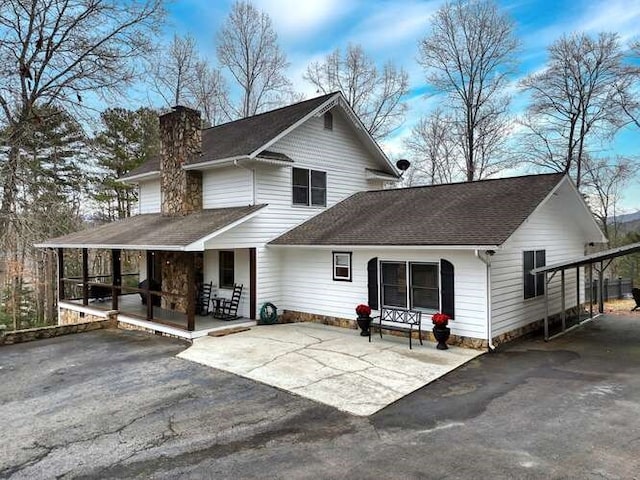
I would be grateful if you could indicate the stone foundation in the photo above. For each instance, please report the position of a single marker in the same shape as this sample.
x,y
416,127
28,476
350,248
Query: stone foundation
x,y
151,331
31,334
291,316
71,317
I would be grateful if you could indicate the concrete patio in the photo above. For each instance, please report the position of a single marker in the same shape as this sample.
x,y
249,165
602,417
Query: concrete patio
x,y
330,365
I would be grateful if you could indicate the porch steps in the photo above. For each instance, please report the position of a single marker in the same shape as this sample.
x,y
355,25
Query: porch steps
x,y
228,331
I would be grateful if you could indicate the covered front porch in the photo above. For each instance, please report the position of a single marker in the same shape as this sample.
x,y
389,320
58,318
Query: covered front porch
x,y
156,269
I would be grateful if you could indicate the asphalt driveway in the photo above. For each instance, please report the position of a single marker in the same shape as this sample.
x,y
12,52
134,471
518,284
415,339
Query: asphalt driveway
x,y
117,404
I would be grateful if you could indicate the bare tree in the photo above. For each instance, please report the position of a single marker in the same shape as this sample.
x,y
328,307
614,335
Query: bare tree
x,y
376,96
469,55
53,53
628,99
575,98
210,94
432,149
603,182
174,69
248,48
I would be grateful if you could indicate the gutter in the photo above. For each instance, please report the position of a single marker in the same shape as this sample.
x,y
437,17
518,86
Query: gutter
x,y
486,259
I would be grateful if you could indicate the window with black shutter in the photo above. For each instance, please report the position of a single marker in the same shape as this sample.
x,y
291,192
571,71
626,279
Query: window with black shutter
x,y
533,284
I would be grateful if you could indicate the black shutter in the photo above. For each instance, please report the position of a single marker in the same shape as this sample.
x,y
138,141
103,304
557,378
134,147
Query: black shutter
x,y
447,296
528,261
372,282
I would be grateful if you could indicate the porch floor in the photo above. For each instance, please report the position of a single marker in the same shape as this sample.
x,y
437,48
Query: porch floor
x,y
131,308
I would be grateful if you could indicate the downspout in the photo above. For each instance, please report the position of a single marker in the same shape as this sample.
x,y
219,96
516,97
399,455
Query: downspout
x,y
486,259
236,163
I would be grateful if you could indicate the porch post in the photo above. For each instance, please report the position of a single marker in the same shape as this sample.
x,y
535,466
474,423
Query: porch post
x,y
116,277
191,291
85,277
252,283
60,274
148,289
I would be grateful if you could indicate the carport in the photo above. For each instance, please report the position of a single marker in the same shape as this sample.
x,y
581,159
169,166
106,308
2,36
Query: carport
x,y
598,261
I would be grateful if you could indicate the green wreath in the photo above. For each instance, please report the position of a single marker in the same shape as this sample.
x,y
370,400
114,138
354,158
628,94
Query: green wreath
x,y
268,314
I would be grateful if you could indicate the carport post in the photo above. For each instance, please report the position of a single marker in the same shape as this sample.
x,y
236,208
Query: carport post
x,y
591,290
191,292
85,277
564,315
148,289
61,274
601,288
546,308
116,277
578,291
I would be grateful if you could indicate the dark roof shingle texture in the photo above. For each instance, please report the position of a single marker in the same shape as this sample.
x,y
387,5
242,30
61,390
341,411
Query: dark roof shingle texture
x,y
245,136
151,165
155,230
472,213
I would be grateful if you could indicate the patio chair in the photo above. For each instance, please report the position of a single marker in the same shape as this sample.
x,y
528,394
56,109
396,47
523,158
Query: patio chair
x,y
636,296
204,297
229,307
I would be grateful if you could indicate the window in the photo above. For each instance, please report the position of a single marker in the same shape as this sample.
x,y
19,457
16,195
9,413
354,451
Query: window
x,y
342,266
309,187
328,121
226,269
533,284
424,286
416,285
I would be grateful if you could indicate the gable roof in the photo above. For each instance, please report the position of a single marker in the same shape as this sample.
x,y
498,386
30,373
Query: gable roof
x,y
154,231
481,213
252,137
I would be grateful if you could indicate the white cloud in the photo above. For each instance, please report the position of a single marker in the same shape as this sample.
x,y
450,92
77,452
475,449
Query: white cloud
x,y
294,18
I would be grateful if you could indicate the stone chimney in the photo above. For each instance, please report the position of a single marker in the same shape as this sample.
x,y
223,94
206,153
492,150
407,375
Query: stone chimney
x,y
181,140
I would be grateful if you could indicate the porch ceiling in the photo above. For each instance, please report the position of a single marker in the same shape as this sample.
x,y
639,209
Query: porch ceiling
x,y
155,231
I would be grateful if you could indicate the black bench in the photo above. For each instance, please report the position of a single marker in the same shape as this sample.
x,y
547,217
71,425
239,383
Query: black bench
x,y
398,320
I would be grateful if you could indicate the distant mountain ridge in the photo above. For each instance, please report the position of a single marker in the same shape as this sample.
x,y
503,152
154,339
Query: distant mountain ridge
x,y
628,217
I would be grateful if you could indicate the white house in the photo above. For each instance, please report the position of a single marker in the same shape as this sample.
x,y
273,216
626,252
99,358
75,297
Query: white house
x,y
290,204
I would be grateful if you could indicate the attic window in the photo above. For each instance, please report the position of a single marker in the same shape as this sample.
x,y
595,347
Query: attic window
x,y
328,121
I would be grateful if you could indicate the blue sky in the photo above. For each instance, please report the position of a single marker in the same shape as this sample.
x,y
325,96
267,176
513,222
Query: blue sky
x,y
392,29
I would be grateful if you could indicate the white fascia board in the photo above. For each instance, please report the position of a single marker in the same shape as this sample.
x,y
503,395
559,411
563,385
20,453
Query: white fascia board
x,y
391,247
218,163
110,247
387,177
140,177
198,245
582,201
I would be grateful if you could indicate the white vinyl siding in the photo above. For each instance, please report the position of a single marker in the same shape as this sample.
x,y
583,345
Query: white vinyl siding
x,y
307,284
227,187
337,152
556,228
241,276
149,196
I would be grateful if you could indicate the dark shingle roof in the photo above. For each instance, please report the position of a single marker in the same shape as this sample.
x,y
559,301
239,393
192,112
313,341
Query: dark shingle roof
x,y
245,136
151,165
154,230
473,213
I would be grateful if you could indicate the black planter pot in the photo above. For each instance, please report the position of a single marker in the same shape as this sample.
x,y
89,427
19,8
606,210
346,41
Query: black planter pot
x,y
442,335
364,323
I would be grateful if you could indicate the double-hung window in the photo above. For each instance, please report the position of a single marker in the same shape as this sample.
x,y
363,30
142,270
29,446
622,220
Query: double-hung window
x,y
533,284
410,285
309,187
342,266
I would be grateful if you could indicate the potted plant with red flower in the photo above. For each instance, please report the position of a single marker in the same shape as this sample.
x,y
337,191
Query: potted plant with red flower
x,y
364,318
440,330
